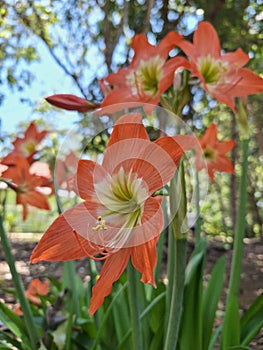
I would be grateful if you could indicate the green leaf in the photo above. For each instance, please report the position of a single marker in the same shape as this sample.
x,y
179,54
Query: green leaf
x,y
9,339
210,300
108,315
157,311
252,321
12,321
157,340
120,313
231,329
214,337
191,322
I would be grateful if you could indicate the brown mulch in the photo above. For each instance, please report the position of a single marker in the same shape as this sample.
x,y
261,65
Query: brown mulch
x,y
251,277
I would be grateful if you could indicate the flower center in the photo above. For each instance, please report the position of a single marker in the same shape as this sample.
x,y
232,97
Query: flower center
x,y
212,70
123,196
145,79
28,147
209,154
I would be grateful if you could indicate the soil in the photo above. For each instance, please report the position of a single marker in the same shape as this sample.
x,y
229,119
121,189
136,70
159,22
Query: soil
x,y
251,277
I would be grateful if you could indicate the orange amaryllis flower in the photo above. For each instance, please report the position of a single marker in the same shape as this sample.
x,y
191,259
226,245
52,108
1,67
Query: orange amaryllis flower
x,y
119,218
221,75
149,74
214,152
28,185
26,146
35,289
71,103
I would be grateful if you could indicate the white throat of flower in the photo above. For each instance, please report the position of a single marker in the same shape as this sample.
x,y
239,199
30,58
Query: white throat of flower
x,y
213,70
145,79
123,196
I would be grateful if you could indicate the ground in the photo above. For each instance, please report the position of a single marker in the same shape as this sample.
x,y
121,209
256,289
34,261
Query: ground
x,y
251,278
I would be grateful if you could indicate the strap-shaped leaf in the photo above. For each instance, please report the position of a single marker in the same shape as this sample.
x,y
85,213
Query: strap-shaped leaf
x,y
210,300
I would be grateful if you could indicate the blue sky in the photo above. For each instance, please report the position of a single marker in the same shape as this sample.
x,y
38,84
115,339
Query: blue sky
x,y
49,79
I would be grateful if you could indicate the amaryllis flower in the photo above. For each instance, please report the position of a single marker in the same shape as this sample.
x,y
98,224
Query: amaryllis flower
x,y
119,218
29,186
35,289
221,75
71,103
149,75
26,146
213,155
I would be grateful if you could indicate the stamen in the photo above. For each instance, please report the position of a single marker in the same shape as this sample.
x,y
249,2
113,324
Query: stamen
x,y
101,250
101,224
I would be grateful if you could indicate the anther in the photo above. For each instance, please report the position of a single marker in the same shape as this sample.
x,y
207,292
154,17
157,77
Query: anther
x,y
101,224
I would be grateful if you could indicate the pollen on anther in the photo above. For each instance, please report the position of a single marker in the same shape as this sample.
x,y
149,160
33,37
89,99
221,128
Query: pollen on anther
x,y
101,224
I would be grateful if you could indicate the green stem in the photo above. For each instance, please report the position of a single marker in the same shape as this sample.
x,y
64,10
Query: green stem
x,y
28,317
236,265
170,273
134,308
69,282
198,212
177,295
177,190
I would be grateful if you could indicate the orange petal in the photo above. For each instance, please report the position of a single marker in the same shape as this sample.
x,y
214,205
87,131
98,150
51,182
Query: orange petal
x,y
206,40
151,224
237,58
210,136
164,155
249,83
223,164
118,78
118,99
168,72
88,173
59,242
225,146
123,151
110,272
38,287
144,258
35,199
142,49
169,42
128,126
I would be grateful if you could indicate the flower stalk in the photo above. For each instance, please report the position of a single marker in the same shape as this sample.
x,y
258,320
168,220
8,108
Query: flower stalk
x,y
198,211
229,339
177,190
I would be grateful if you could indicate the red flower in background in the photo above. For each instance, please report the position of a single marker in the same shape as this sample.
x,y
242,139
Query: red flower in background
x,y
119,218
35,289
71,103
29,184
26,146
149,75
214,153
221,75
